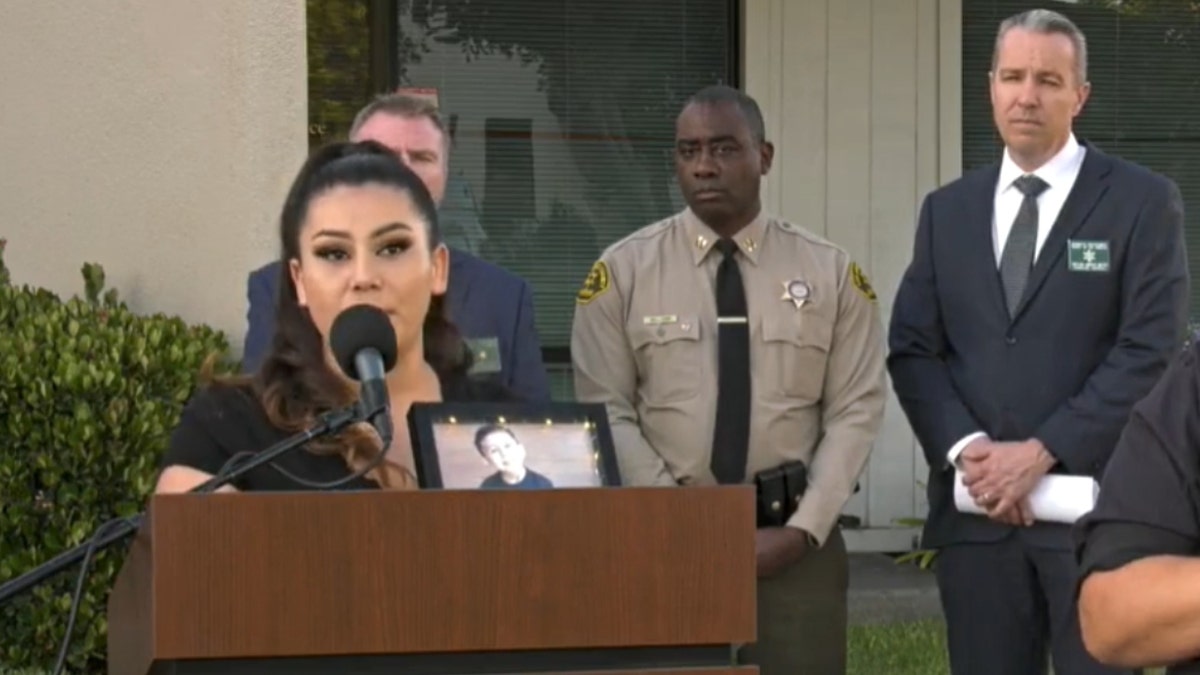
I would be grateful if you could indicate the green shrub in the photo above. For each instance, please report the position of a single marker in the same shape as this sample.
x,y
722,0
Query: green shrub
x,y
89,392
921,557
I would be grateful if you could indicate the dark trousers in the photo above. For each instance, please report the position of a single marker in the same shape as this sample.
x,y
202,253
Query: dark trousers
x,y
802,616
1009,606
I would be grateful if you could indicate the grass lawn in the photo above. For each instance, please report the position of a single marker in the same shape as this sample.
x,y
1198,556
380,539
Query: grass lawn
x,y
916,648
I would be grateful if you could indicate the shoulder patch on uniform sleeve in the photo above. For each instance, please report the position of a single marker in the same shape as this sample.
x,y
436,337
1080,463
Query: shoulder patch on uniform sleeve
x,y
594,285
859,279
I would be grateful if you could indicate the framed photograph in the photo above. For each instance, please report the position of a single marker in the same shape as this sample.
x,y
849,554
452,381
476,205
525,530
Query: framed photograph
x,y
514,446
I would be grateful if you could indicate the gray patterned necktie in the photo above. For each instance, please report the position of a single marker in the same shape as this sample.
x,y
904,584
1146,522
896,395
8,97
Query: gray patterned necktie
x,y
1017,259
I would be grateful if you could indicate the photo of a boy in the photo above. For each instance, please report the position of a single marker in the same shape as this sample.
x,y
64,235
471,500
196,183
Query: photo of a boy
x,y
500,447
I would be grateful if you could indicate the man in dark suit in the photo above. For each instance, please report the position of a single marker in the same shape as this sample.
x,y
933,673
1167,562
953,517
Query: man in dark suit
x,y
491,306
1046,295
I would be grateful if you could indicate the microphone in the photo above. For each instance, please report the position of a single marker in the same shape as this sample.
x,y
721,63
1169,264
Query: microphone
x,y
364,344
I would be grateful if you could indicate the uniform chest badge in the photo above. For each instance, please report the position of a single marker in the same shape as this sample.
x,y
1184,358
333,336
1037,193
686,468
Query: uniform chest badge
x,y
797,292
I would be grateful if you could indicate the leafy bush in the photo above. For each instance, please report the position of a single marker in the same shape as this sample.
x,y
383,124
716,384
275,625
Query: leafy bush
x,y
89,392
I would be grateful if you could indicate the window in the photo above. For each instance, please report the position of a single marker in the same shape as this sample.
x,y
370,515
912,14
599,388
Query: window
x,y
1144,65
349,60
562,117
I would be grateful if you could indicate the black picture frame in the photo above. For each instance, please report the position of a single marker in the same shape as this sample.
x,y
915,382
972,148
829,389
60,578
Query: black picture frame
x,y
430,460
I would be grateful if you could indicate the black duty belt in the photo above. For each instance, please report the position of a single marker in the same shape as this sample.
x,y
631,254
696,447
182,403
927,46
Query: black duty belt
x,y
779,492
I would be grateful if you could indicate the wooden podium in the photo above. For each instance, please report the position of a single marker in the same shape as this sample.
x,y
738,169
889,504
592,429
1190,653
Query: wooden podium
x,y
618,580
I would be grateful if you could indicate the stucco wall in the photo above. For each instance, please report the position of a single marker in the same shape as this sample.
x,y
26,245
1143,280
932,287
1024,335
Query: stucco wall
x,y
155,137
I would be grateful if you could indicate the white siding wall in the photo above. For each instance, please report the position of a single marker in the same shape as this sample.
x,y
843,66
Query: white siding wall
x,y
861,99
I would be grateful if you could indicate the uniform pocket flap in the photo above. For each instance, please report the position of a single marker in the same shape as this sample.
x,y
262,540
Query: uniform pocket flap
x,y
798,330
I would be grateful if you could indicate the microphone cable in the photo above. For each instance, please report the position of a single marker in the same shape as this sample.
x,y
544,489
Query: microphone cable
x,y
76,599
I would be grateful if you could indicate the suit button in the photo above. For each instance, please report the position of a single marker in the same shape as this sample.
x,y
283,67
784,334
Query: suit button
x,y
1008,339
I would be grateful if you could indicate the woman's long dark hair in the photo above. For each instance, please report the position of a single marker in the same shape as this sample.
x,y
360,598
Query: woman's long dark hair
x,y
295,382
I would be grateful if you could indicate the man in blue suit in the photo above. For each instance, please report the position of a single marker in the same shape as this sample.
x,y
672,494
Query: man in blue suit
x,y
491,306
1046,295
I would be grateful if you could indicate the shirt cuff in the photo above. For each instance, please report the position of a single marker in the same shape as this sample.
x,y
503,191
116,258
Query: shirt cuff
x,y
816,516
957,448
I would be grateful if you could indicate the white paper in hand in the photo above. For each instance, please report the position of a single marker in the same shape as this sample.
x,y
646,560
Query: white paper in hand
x,y
1057,498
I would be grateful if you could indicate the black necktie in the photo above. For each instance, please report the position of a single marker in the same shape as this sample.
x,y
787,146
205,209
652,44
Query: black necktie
x,y
731,435
1017,259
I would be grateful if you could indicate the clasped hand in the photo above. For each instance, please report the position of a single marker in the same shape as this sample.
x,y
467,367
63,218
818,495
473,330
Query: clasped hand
x,y
1000,476
778,548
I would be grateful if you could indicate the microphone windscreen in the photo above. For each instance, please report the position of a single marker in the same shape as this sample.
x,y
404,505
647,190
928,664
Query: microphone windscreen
x,y
362,327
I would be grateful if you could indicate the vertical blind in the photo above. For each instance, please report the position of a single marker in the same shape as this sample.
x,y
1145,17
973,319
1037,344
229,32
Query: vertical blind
x,y
1144,66
562,113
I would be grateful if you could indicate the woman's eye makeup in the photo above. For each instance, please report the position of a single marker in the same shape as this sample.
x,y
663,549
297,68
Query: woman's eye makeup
x,y
340,253
396,247
332,253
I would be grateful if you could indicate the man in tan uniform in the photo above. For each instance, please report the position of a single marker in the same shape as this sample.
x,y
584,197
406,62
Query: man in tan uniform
x,y
645,342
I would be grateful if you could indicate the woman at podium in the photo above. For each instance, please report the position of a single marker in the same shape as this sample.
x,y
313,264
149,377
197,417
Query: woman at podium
x,y
357,227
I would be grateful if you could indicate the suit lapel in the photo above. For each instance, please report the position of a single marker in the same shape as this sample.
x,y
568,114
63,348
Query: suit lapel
x,y
458,285
980,250
1090,186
